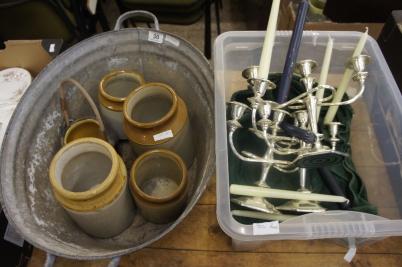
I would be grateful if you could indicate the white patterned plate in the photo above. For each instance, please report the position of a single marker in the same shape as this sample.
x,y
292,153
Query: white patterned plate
x,y
13,84
6,111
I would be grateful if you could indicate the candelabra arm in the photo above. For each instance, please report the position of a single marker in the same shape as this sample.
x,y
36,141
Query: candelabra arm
x,y
294,100
323,87
276,151
291,139
270,161
252,158
284,170
303,95
360,77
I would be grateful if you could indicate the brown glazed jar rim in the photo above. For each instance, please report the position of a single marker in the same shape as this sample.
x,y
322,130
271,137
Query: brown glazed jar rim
x,y
169,116
113,74
77,123
182,186
145,137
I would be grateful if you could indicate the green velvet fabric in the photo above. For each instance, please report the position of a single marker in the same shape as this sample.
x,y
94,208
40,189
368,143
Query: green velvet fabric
x,y
246,173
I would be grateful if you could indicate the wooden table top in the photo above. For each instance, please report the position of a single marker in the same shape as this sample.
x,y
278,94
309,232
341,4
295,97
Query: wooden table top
x,y
199,241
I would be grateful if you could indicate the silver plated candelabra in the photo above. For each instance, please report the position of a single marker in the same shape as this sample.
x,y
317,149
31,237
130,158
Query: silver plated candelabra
x,y
302,140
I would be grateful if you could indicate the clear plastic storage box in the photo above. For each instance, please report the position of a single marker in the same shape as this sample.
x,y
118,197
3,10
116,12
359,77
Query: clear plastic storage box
x,y
376,138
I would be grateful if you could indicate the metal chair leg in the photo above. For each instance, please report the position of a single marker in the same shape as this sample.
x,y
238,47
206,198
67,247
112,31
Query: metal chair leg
x,y
217,16
207,42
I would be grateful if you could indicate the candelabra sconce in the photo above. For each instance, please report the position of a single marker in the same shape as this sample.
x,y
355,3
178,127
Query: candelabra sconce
x,y
333,128
357,64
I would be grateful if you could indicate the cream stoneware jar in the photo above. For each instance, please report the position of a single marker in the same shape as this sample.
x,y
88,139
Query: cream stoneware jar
x,y
159,183
113,90
89,179
155,117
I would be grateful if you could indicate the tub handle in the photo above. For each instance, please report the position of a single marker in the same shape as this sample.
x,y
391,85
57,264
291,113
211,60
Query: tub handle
x,y
114,262
50,259
136,13
102,133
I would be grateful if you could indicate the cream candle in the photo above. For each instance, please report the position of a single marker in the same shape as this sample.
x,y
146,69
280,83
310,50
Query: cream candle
x,y
262,215
324,71
329,117
269,40
255,191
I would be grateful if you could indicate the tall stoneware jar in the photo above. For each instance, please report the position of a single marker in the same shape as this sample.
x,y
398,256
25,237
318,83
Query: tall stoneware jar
x,y
89,179
155,117
159,183
113,90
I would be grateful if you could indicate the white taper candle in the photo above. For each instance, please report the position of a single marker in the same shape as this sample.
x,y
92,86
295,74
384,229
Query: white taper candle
x,y
329,117
324,71
265,60
255,191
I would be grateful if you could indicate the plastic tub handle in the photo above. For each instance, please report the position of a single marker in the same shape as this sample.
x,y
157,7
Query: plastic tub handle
x,y
136,13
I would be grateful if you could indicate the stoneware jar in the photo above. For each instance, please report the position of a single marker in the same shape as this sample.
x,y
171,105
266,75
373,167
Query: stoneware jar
x,y
113,90
89,179
81,128
86,126
155,117
159,183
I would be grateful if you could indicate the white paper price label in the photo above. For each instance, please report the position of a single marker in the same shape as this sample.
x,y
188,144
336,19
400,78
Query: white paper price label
x,y
163,135
172,40
156,37
267,228
12,236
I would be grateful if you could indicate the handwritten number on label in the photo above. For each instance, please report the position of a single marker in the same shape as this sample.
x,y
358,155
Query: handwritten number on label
x,y
266,228
155,37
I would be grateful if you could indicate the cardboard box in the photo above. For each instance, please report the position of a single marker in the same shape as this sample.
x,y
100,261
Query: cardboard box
x,y
288,16
390,42
32,55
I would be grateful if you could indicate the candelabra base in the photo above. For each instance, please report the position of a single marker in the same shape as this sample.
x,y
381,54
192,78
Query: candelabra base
x,y
256,203
319,158
262,184
301,206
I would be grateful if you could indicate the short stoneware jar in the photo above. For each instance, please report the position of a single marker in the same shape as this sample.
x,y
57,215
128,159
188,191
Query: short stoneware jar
x,y
89,179
155,117
159,183
113,90
86,126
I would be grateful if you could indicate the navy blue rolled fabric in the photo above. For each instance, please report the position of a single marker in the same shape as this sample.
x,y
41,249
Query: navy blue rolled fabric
x,y
333,186
306,136
292,52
